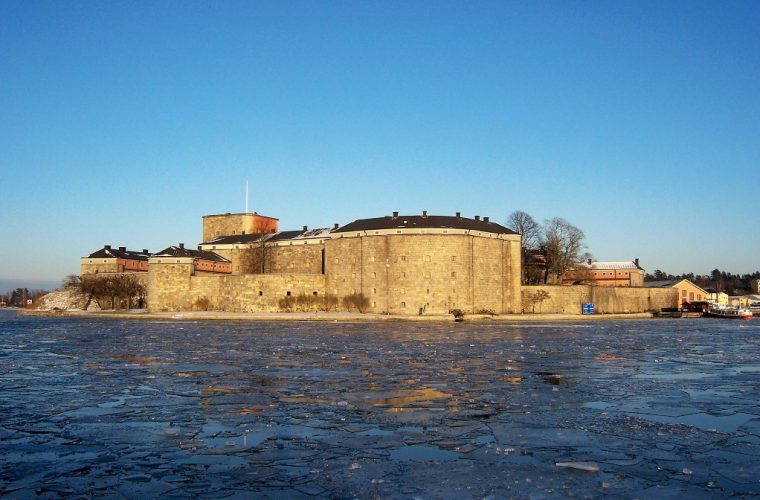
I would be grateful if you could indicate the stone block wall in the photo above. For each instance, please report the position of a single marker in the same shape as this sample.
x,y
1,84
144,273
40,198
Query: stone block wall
x,y
403,273
231,224
174,287
569,299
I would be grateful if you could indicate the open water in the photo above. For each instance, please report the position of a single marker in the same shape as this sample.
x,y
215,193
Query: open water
x,y
141,409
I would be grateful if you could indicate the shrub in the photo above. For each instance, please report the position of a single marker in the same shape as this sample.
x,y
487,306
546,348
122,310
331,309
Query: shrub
x,y
286,303
305,302
458,314
356,301
202,304
490,312
330,302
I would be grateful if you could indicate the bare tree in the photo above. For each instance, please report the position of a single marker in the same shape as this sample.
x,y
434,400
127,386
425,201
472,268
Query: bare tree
x,y
538,297
526,225
562,244
530,230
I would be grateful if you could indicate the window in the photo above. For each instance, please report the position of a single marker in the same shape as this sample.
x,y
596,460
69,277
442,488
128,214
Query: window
x,y
374,290
453,258
683,294
403,258
403,304
453,274
427,274
372,259
287,293
353,275
374,275
314,292
691,295
261,293
427,258
403,274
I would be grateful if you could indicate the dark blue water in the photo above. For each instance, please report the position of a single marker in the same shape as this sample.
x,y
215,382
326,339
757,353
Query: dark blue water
x,y
141,408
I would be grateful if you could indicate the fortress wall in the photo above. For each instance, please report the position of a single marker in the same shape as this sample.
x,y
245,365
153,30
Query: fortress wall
x,y
169,287
173,287
401,274
296,258
98,266
569,299
225,225
343,266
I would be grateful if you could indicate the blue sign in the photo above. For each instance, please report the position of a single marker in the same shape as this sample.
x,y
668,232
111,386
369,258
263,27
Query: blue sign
x,y
589,308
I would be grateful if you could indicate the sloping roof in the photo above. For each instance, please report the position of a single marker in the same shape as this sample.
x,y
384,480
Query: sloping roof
x,y
239,239
424,222
660,284
118,253
317,233
181,251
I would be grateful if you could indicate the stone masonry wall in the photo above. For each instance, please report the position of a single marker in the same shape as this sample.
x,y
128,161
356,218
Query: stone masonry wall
x,y
402,274
569,299
230,224
298,258
173,287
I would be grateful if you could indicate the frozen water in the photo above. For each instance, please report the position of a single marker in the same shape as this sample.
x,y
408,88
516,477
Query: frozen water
x,y
112,408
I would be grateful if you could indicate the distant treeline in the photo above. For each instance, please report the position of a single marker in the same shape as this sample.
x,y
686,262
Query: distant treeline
x,y
717,280
20,296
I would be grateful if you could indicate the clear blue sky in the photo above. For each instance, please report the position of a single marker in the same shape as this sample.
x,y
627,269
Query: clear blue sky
x,y
125,122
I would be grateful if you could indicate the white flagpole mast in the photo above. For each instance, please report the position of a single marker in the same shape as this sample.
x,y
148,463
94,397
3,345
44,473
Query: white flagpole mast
x,y
246,196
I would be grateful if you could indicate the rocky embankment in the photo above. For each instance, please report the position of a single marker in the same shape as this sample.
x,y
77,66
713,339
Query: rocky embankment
x,y
66,299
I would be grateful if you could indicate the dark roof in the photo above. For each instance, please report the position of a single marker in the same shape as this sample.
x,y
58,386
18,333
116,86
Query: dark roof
x,y
424,222
239,238
285,235
118,253
280,236
181,251
660,284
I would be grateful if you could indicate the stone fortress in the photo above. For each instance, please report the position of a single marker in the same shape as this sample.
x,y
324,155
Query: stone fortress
x,y
398,264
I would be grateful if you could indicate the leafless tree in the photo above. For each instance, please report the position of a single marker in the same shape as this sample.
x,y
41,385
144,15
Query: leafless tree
x,y
562,243
538,297
526,225
530,230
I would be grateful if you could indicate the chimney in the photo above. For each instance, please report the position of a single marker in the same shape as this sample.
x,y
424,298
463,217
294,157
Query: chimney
x,y
459,215
335,226
306,228
199,248
182,246
636,261
395,215
145,251
107,247
477,217
485,219
424,213
589,262
122,249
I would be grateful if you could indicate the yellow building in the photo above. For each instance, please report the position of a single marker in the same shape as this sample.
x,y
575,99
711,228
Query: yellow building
x,y
687,291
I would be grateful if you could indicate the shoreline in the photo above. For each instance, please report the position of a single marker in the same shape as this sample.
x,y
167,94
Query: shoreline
x,y
326,316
